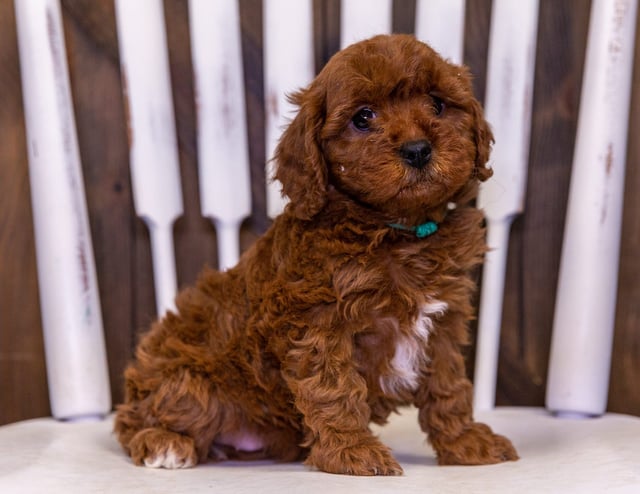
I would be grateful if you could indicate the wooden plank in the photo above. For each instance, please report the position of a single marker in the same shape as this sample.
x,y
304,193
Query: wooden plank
x,y
476,47
624,392
288,67
23,387
508,108
194,235
153,157
223,155
583,326
77,369
92,50
537,236
362,19
253,67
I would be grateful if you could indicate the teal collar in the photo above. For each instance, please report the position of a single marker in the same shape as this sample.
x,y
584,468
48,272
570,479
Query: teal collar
x,y
421,231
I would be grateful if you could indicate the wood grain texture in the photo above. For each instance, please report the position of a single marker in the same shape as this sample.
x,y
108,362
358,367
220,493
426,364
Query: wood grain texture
x,y
23,386
102,137
624,392
121,241
536,239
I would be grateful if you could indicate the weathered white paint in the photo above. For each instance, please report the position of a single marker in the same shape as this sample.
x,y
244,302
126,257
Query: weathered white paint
x,y
288,67
578,379
361,19
223,149
71,317
440,23
154,162
512,50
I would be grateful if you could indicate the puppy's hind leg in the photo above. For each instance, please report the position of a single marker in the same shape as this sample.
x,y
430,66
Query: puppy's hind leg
x,y
173,426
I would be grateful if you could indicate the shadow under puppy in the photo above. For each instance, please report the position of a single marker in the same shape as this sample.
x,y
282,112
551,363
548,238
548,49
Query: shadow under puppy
x,y
357,299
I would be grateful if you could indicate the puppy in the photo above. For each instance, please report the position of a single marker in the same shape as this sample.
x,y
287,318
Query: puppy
x,y
357,299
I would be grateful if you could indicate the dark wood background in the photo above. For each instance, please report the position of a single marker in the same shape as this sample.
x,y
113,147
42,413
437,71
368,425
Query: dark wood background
x,y
122,246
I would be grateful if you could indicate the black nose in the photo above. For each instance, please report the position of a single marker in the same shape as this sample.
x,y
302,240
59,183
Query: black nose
x,y
416,153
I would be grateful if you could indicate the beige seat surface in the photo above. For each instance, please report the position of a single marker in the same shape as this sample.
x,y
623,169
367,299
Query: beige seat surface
x,y
557,455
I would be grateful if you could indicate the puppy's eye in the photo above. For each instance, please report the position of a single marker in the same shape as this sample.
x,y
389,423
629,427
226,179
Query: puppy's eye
x,y
438,105
362,119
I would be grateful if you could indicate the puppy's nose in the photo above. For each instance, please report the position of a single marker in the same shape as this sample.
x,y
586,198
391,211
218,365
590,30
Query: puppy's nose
x,y
416,153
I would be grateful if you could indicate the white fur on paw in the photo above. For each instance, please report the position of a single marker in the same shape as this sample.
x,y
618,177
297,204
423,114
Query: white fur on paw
x,y
168,459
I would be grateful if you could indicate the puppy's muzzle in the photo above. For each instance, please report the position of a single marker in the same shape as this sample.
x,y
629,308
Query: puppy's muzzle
x,y
416,153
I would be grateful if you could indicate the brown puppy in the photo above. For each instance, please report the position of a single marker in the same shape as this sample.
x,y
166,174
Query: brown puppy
x,y
357,299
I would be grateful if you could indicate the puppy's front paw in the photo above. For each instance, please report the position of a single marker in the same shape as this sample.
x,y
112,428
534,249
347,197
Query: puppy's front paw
x,y
368,456
158,448
478,445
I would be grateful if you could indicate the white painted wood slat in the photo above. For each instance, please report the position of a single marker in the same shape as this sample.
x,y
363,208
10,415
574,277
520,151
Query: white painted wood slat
x,y
361,19
71,316
440,23
288,66
223,156
510,71
580,361
155,168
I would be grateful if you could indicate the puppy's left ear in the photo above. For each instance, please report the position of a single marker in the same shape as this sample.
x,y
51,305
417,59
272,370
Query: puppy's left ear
x,y
483,139
300,164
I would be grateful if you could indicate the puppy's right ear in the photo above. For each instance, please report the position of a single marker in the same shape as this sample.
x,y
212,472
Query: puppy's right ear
x,y
483,138
300,164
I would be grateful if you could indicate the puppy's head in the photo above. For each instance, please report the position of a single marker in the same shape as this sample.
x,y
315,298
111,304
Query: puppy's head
x,y
390,124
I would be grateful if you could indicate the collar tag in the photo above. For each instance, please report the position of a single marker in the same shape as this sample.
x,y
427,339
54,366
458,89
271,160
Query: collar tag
x,y
426,229
421,231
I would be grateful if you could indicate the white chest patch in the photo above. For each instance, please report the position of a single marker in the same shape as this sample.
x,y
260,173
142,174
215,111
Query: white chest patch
x,y
410,350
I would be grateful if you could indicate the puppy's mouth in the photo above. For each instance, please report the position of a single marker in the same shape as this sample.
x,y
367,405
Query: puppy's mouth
x,y
419,187
427,184
407,195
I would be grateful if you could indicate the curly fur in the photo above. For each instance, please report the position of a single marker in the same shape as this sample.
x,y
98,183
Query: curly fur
x,y
333,319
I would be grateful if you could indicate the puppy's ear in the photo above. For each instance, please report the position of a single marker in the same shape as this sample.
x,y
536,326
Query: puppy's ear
x,y
483,139
300,164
